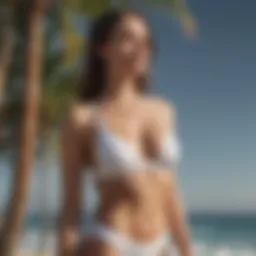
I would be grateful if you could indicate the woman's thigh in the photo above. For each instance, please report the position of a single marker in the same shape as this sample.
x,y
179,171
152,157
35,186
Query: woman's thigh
x,y
96,247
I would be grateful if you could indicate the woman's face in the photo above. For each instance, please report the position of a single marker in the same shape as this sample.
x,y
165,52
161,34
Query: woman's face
x,y
128,50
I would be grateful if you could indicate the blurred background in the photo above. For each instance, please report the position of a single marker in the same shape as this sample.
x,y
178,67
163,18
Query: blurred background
x,y
205,64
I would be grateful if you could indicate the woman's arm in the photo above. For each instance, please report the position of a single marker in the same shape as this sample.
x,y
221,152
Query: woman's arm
x,y
177,217
174,201
72,164
162,124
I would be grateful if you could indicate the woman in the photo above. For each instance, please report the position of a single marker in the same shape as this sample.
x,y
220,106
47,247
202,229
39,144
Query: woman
x,y
129,142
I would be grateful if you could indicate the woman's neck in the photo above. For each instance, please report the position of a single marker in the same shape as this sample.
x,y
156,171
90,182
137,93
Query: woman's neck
x,y
120,90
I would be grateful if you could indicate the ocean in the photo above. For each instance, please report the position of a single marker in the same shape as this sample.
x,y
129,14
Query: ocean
x,y
212,235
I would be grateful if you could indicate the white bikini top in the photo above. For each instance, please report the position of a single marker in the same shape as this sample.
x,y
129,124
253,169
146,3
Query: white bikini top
x,y
115,156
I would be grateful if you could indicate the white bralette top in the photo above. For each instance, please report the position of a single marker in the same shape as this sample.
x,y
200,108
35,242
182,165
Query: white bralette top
x,y
115,156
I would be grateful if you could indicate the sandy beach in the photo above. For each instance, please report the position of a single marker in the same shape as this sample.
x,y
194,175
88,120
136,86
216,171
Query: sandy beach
x,y
24,253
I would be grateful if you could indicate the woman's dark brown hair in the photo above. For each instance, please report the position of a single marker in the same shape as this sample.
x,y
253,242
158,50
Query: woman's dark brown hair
x,y
91,86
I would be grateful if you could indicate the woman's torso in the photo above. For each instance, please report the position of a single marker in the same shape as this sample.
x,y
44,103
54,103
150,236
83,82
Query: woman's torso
x,y
134,205
132,202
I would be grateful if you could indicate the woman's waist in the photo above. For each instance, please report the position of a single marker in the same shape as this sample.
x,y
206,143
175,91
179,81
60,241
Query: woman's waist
x,y
140,222
133,190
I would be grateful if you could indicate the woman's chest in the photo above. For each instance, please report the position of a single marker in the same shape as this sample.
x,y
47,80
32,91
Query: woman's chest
x,y
119,141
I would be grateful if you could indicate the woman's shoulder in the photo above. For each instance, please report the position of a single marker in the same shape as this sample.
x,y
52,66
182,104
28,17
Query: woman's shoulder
x,y
159,107
79,115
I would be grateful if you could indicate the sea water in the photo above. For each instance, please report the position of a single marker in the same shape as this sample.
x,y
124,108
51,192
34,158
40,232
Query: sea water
x,y
224,235
212,235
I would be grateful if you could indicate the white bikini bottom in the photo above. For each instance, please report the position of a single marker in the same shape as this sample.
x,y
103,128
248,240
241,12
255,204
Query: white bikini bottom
x,y
125,246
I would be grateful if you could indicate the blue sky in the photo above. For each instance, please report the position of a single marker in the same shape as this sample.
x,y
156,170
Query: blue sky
x,y
212,82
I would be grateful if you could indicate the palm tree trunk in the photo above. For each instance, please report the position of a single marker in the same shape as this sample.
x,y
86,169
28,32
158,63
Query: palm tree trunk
x,y
44,153
6,41
16,210
5,59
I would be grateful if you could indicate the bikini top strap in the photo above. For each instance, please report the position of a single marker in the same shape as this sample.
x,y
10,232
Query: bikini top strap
x,y
97,116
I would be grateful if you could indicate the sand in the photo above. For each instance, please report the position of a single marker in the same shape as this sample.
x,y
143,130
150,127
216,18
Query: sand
x,y
24,253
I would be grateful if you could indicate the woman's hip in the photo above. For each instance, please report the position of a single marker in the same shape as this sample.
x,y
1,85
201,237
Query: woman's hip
x,y
103,240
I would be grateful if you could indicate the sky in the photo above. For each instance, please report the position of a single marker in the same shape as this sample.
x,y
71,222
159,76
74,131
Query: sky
x,y
212,82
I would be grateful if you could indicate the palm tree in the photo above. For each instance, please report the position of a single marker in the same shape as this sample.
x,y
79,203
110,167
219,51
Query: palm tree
x,y
6,41
18,195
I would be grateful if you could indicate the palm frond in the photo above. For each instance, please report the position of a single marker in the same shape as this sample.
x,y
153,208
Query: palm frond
x,y
180,10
